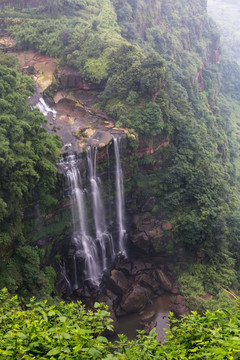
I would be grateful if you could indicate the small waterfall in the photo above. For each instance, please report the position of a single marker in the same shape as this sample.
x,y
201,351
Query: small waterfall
x,y
45,109
120,200
103,237
84,243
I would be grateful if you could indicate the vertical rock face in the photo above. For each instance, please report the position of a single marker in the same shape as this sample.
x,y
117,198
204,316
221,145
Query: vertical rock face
x,y
70,78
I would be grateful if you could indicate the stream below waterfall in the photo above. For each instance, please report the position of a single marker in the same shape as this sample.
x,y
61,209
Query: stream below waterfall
x,y
156,312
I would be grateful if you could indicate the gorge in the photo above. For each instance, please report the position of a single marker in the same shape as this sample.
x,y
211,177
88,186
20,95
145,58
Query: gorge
x,y
126,191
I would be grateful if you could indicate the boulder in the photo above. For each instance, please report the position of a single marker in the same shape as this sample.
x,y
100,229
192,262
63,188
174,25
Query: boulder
x,y
124,265
147,280
140,266
136,299
118,282
178,307
147,316
141,241
147,326
113,297
164,281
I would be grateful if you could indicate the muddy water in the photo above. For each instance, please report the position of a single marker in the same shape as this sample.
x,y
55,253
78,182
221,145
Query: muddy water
x,y
129,324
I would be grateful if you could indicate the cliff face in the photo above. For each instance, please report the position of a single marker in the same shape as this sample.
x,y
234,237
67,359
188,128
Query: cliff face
x,y
156,65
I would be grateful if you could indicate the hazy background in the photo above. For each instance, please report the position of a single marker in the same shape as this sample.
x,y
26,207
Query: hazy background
x,y
226,14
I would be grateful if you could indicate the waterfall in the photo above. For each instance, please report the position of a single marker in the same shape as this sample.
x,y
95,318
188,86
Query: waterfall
x,y
45,109
93,246
103,237
84,243
120,200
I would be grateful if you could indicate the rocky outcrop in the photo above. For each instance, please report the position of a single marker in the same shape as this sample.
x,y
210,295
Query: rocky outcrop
x,y
146,147
150,234
179,307
7,43
136,299
70,78
133,284
77,118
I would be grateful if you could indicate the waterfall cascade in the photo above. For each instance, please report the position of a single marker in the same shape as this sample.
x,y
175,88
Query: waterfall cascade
x,y
96,244
120,200
45,109
83,242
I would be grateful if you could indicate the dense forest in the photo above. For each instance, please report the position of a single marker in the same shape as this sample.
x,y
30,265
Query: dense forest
x,y
158,70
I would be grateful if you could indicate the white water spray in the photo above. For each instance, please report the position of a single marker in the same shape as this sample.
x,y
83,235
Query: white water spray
x,y
84,243
120,200
45,109
102,235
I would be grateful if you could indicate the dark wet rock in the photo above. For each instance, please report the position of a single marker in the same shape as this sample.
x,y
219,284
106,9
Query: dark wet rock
x,y
164,281
175,291
178,307
71,78
115,322
147,316
114,298
147,326
140,266
147,280
161,292
147,224
120,312
118,283
29,70
136,299
136,220
105,299
141,241
149,204
124,265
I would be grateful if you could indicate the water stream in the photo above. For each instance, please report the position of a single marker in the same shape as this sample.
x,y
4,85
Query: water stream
x,y
120,200
129,324
93,247
45,109
84,243
103,237
96,244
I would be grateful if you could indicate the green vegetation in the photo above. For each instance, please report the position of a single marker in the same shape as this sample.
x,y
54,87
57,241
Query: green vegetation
x,y
158,66
69,331
204,285
27,174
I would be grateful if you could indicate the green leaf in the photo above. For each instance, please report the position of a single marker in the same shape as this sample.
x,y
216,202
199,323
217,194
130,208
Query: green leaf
x,y
102,339
62,318
94,352
54,351
51,313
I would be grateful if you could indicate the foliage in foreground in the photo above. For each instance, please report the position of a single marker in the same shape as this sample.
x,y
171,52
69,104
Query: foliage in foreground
x,y
69,331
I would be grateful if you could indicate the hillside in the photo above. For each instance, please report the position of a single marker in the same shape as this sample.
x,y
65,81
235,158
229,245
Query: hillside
x,y
155,66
